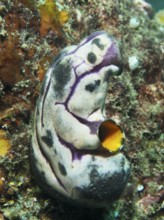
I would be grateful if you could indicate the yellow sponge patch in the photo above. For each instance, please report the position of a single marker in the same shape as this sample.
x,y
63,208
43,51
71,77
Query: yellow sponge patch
x,y
4,143
159,17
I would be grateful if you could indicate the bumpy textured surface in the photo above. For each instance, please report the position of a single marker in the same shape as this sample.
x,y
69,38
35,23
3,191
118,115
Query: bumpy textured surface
x,y
67,154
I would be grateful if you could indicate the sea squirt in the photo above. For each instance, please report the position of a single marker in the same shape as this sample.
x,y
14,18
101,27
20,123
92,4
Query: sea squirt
x,y
75,152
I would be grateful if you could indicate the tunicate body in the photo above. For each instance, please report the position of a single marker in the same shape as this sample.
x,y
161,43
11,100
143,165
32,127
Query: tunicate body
x,y
68,157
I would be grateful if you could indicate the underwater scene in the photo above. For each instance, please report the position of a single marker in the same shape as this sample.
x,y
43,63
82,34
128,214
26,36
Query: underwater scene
x,y
81,110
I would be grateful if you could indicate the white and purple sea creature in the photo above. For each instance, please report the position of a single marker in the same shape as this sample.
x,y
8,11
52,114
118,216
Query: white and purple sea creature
x,y
75,149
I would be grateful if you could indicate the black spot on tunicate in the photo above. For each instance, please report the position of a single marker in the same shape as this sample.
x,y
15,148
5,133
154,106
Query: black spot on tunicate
x,y
103,188
98,43
92,86
48,139
62,169
94,176
62,75
91,57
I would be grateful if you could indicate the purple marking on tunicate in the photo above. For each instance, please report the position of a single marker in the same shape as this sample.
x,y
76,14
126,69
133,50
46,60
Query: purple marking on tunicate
x,y
108,59
76,154
74,87
92,125
47,160
87,39
74,68
44,97
112,55
105,62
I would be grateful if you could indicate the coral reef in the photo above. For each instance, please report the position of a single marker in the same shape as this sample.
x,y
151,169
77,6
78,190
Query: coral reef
x,y
135,100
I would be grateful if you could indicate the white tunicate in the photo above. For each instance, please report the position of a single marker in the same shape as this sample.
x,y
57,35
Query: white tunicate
x,y
67,155
133,62
134,22
140,188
